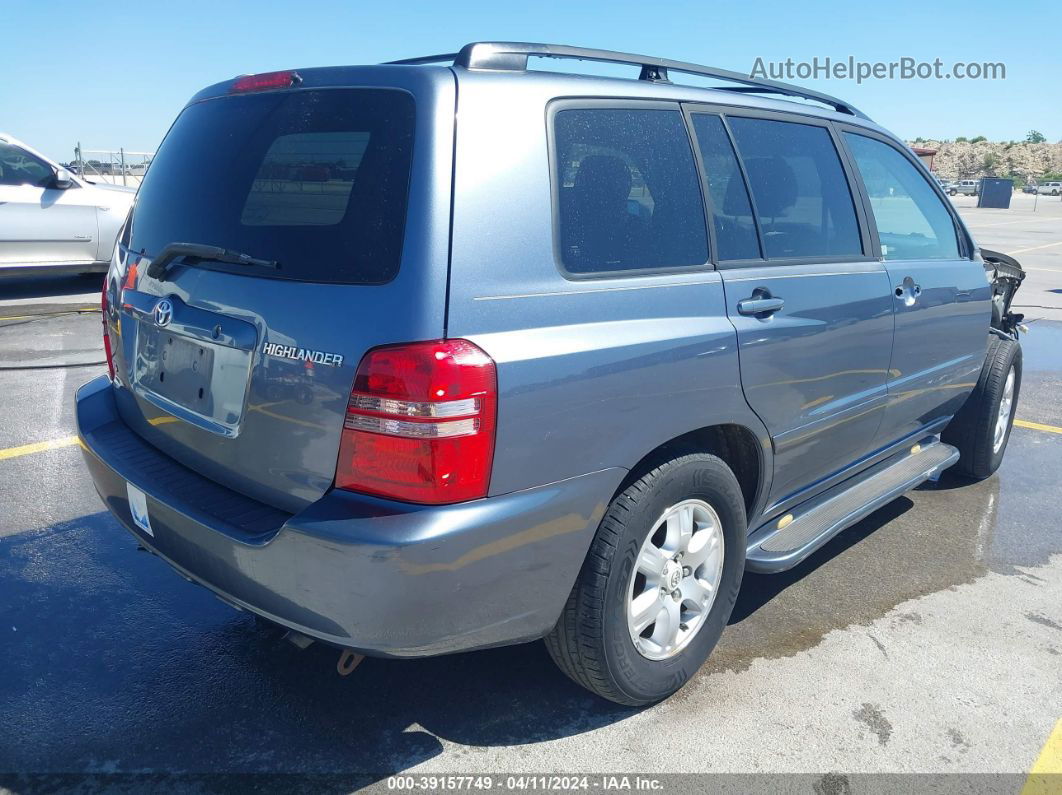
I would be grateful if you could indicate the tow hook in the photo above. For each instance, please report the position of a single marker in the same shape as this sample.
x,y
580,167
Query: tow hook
x,y
348,661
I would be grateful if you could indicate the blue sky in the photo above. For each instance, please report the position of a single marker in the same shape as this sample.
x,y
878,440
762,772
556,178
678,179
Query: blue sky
x,y
114,74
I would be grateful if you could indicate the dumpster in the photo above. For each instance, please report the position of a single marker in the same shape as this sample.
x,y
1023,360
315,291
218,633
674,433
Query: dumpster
x,y
995,193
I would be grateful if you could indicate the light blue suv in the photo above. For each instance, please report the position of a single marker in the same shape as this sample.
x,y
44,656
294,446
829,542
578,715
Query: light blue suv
x,y
447,353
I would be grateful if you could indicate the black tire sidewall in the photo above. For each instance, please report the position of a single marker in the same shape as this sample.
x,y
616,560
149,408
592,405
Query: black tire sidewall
x,y
694,477
972,429
994,396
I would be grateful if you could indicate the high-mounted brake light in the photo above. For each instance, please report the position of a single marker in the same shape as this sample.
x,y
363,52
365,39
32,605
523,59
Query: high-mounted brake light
x,y
420,423
265,81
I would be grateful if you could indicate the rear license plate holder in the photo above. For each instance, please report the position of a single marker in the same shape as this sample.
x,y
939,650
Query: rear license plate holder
x,y
177,368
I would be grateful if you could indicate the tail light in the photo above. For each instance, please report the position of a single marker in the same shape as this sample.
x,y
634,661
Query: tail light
x,y
420,423
104,307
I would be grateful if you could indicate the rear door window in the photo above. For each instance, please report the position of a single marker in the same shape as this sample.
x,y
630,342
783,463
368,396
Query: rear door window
x,y
627,191
801,194
315,179
732,223
912,221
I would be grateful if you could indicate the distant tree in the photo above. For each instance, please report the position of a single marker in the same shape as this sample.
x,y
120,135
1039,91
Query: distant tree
x,y
919,140
1035,137
978,139
989,163
961,139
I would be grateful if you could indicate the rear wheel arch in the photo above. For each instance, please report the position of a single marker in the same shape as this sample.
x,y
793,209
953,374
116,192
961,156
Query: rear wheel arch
x,y
737,445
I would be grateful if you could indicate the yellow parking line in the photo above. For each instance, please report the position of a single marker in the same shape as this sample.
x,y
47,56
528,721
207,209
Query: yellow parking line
x,y
1038,426
37,447
1046,774
72,311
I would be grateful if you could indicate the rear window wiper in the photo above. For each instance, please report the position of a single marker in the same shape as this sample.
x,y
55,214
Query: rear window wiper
x,y
197,251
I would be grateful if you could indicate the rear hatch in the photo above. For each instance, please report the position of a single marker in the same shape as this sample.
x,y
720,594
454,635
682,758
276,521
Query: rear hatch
x,y
305,234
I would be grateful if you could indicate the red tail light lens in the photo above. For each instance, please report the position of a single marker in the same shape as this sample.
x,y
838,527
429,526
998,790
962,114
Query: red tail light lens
x,y
420,423
106,331
265,81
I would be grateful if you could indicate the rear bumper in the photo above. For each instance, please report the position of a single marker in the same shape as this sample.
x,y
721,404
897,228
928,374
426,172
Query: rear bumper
x,y
384,578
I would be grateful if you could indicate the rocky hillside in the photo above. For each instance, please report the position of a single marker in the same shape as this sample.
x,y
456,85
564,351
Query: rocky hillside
x,y
969,160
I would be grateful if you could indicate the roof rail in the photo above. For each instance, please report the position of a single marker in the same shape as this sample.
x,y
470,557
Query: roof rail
x,y
511,56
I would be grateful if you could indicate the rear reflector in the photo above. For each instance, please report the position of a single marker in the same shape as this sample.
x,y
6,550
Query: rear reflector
x,y
265,81
420,423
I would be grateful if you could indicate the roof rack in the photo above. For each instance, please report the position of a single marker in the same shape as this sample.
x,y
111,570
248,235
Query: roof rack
x,y
511,56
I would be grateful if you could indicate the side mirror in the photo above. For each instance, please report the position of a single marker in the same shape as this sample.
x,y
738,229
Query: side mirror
x,y
63,179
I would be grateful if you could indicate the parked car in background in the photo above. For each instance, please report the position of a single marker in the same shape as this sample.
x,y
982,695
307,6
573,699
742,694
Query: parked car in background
x,y
967,187
52,221
564,370
1028,189
945,184
1050,188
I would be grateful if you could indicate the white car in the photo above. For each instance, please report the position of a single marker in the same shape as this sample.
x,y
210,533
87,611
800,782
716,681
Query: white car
x,y
1050,188
52,221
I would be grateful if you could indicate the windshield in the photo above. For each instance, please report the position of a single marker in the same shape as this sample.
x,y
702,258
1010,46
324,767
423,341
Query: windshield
x,y
316,180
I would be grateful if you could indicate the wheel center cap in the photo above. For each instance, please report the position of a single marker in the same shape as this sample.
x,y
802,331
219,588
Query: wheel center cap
x,y
672,575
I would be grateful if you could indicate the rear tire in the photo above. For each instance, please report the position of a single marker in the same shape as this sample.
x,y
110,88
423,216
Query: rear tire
x,y
981,429
594,641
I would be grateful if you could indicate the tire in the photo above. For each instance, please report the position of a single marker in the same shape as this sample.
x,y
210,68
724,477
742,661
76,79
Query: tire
x,y
1054,192
593,643
973,429
954,193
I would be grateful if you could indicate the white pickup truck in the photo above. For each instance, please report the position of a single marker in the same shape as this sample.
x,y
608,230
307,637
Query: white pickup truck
x,y
1049,188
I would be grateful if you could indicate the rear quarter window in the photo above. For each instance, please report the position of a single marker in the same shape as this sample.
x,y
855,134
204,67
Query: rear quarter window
x,y
627,190
317,179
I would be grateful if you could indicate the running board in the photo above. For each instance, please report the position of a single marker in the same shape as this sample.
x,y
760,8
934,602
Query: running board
x,y
784,542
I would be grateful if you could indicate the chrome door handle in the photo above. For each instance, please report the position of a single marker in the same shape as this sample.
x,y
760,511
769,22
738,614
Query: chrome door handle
x,y
907,291
760,306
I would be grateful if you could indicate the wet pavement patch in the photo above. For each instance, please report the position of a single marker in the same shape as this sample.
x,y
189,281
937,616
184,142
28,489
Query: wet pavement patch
x,y
871,716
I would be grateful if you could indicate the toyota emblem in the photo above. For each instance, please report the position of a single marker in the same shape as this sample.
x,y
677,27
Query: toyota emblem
x,y
163,313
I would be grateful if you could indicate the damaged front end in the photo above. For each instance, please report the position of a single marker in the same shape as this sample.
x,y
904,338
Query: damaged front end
x,y
1006,276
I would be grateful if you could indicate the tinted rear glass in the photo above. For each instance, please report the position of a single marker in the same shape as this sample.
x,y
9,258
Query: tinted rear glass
x,y
735,231
802,198
317,180
628,197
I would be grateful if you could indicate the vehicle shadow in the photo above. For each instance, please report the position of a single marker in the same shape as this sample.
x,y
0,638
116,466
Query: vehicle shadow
x,y
50,286
113,663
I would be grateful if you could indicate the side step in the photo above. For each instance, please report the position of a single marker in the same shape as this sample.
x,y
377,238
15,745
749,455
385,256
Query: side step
x,y
784,542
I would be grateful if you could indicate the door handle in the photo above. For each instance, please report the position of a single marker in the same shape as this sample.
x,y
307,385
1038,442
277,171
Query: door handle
x,y
907,291
759,305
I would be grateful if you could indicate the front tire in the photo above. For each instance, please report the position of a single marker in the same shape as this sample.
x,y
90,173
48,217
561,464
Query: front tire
x,y
981,428
658,583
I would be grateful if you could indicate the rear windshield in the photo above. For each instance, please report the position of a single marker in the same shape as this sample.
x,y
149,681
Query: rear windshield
x,y
314,179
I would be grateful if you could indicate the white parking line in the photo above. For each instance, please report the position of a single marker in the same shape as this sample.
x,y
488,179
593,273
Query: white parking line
x,y
975,225
1034,248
